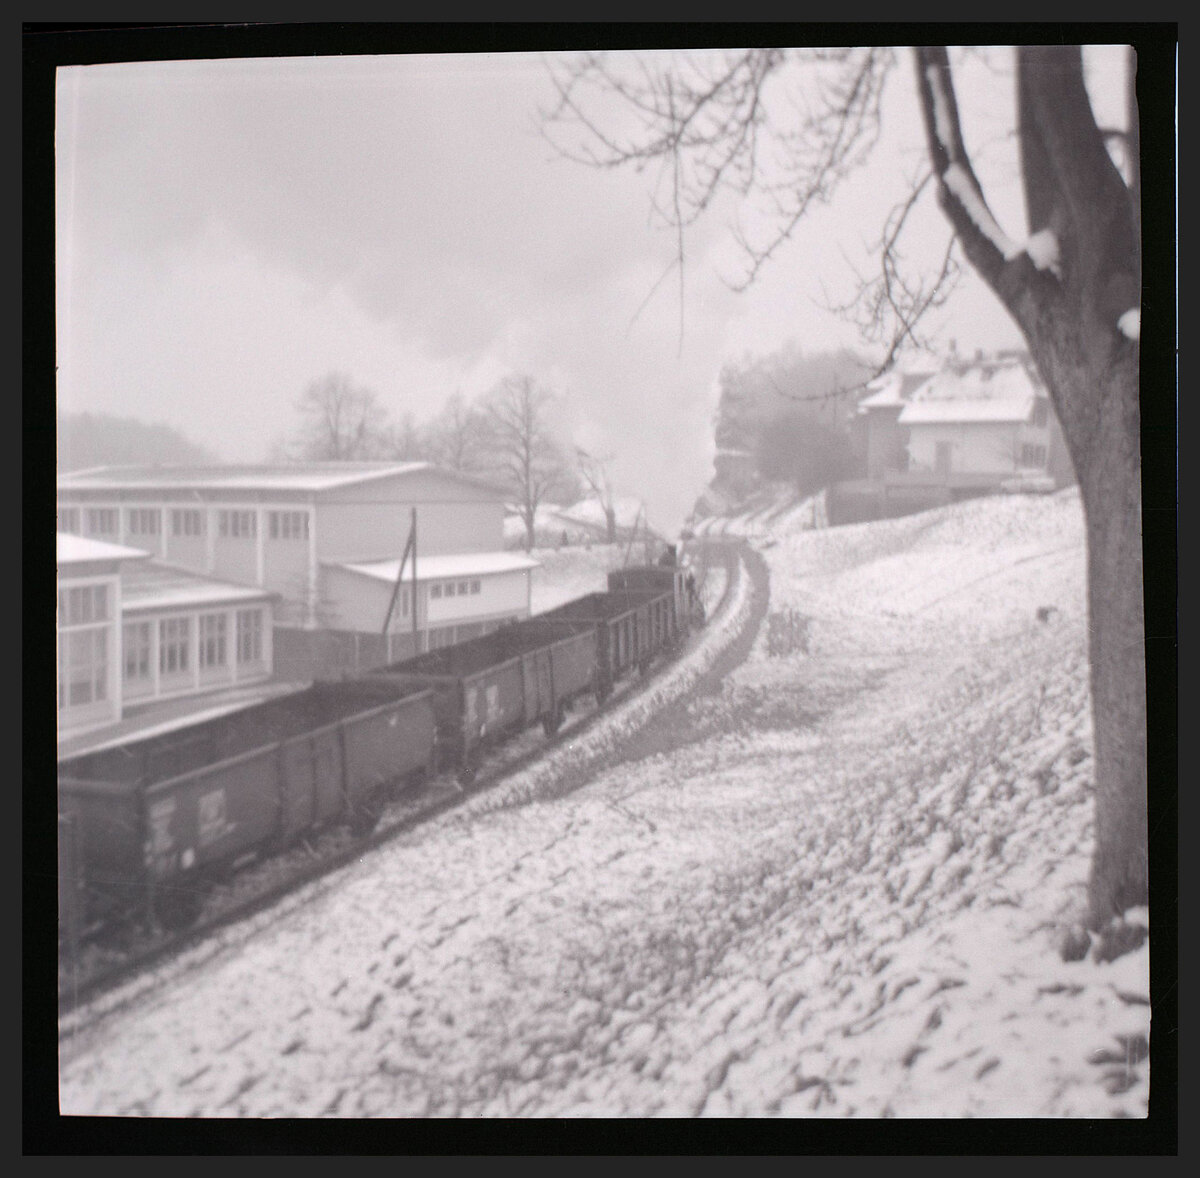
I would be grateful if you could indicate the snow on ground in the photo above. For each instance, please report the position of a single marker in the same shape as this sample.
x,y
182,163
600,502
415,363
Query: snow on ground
x,y
831,887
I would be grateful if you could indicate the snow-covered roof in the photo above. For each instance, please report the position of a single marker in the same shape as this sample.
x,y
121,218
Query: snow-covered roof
x,y
940,412
82,549
156,586
431,568
980,392
300,476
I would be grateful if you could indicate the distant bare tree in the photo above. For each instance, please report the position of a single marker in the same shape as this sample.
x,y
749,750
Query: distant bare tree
x,y
406,441
595,472
786,127
457,436
338,422
524,455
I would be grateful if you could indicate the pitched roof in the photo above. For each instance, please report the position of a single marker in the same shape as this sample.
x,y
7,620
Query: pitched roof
x,y
154,585
82,549
1004,391
299,476
431,568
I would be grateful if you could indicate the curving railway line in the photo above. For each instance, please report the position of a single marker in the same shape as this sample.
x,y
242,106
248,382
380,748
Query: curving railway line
x,y
579,749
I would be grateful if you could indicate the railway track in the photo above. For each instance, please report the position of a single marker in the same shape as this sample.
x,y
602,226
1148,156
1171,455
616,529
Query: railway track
x,y
106,963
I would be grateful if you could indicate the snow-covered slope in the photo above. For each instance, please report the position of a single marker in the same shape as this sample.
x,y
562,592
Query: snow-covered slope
x,y
833,887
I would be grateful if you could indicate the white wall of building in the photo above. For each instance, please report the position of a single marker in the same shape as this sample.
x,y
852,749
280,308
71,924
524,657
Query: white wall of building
x,y
353,601
978,447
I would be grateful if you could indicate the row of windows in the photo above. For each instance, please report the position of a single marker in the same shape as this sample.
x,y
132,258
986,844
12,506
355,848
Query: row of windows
x,y
82,667
83,604
174,643
288,525
238,525
144,521
449,588
1033,455
147,521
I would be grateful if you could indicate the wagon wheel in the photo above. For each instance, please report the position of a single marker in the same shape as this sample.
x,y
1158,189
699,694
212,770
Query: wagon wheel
x,y
177,907
467,771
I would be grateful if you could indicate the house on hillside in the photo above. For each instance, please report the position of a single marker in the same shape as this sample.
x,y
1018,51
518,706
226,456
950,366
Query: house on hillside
x,y
306,532
875,425
972,427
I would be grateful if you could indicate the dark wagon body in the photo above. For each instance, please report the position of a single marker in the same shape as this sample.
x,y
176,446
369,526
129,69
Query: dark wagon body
x,y
666,579
150,815
631,628
143,823
491,687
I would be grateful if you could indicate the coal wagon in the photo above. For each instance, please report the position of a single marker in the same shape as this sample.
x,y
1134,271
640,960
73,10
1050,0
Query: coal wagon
x,y
152,820
631,627
489,688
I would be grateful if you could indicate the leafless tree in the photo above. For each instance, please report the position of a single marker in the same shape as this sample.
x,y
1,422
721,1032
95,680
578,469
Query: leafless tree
x,y
338,421
457,436
595,471
788,128
524,455
405,441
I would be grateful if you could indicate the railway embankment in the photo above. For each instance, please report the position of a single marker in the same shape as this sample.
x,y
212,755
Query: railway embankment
x,y
840,897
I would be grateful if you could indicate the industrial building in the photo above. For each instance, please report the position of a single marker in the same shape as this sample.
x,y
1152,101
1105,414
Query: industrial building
x,y
324,538
133,633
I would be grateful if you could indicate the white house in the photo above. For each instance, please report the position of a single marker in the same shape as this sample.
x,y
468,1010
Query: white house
x,y
990,418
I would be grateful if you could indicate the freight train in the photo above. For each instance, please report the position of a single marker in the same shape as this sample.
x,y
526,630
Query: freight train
x,y
145,826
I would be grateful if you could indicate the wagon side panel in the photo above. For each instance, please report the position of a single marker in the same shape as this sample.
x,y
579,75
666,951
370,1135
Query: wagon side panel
x,y
385,745
213,816
109,830
575,665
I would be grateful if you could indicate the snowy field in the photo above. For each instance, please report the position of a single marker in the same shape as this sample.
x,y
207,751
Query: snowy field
x,y
831,886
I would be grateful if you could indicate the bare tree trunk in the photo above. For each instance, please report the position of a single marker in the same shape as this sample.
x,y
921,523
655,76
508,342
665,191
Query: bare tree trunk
x,y
1109,473
1075,313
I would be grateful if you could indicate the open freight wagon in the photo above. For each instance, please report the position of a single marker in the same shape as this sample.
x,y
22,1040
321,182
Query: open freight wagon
x,y
488,688
666,579
147,821
632,627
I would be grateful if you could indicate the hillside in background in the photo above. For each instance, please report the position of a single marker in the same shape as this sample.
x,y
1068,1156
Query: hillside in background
x,y
86,440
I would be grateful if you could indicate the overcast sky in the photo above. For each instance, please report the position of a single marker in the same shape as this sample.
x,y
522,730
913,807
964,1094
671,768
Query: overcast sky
x,y
230,230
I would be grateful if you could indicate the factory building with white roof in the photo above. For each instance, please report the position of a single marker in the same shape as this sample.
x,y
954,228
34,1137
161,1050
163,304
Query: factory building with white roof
x,y
326,538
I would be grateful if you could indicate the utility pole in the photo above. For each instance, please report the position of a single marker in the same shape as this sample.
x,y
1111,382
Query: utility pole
x,y
410,546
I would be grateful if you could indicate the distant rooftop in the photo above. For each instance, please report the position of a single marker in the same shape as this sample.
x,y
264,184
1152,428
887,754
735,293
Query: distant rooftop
x,y
947,411
81,549
305,476
1002,391
293,476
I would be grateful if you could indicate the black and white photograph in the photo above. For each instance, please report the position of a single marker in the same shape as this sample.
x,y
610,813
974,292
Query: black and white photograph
x,y
611,578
